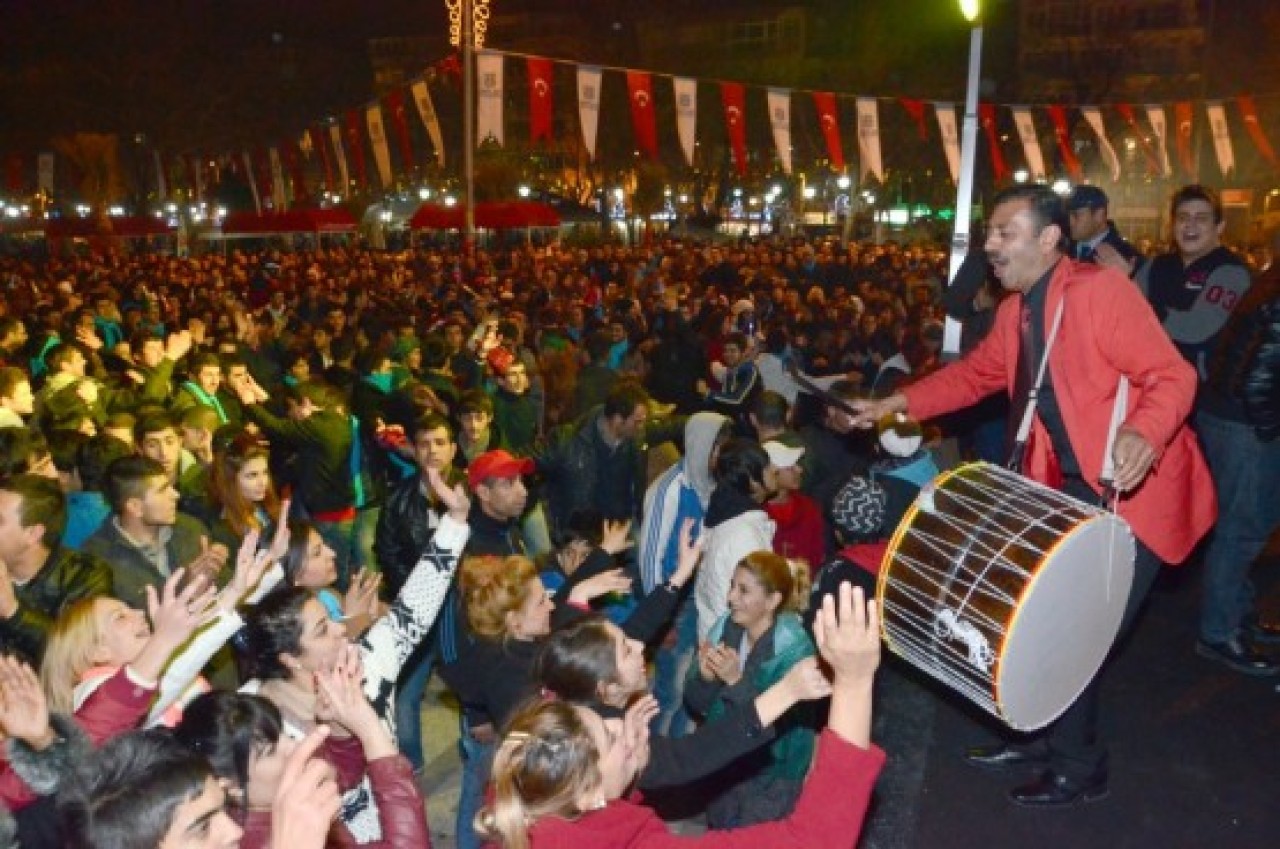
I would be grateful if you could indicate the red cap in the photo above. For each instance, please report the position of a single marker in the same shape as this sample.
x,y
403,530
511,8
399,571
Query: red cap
x,y
497,464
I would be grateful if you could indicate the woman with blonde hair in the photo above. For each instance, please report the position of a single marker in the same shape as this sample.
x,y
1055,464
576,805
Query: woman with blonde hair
x,y
749,649
562,773
95,638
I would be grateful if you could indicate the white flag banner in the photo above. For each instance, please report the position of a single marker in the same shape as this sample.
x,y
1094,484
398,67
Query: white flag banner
x,y
780,120
44,173
162,185
946,113
1093,115
340,155
589,78
427,112
378,142
279,195
1155,114
489,97
252,180
869,138
1221,136
686,91
1030,142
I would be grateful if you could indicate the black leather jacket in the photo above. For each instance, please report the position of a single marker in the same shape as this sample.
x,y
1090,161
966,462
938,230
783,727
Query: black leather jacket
x,y
66,576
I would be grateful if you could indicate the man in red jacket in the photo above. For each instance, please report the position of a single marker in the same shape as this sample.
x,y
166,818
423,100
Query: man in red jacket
x,y
1108,331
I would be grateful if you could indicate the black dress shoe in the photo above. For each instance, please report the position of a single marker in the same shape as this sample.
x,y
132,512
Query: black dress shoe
x,y
1261,632
1052,790
1234,654
1001,756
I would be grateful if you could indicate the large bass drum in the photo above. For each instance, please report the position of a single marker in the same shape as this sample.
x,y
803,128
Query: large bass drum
x,y
1007,591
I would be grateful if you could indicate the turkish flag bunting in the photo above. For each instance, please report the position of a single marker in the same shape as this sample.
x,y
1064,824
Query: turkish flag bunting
x,y
262,173
1058,115
915,108
643,119
293,164
987,114
394,103
1182,114
321,144
14,178
734,97
355,144
541,83
1125,111
829,119
1249,112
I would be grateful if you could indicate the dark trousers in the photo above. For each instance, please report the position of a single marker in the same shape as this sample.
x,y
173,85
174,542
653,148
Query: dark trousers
x,y
1074,741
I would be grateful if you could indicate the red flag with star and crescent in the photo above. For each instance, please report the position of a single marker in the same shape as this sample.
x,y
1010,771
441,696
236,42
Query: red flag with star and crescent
x,y
734,97
1249,112
355,144
1183,116
643,117
541,77
829,120
394,102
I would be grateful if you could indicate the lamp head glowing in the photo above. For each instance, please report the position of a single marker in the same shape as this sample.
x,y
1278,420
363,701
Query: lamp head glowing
x,y
971,9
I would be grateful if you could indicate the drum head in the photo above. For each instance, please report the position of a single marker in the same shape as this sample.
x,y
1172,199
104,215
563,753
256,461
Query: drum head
x,y
1065,623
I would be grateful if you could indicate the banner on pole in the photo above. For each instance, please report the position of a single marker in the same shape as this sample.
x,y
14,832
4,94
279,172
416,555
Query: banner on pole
x,y
780,120
869,138
489,97
686,94
589,78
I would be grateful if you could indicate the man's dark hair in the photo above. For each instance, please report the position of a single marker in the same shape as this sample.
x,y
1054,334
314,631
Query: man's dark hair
x,y
771,410
129,477
20,449
1196,192
65,447
95,456
598,345
435,351
738,340
10,379
125,795
154,420
204,359
61,353
475,401
431,421
1047,208
740,463
623,399
43,503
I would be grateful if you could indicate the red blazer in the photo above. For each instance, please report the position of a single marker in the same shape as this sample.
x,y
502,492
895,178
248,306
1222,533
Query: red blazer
x,y
1108,329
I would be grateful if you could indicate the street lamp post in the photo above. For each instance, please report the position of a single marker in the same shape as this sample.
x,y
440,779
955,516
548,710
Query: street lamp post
x,y
972,10
468,21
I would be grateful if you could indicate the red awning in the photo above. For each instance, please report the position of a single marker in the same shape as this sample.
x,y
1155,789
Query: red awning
x,y
125,227
292,221
490,215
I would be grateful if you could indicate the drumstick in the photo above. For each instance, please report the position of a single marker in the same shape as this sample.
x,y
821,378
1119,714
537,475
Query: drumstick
x,y
816,390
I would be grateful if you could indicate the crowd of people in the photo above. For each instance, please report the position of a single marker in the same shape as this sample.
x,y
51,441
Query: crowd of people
x,y
629,503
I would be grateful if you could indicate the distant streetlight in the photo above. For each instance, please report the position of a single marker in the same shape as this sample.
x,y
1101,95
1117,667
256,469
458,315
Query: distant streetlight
x,y
972,10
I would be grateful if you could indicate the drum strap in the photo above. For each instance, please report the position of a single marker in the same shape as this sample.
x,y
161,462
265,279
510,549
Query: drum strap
x,y
1029,411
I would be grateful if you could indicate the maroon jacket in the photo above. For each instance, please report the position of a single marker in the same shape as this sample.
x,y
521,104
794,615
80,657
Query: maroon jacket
x,y
828,815
400,805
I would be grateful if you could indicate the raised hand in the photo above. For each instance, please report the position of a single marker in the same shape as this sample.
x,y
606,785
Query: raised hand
x,y
805,681
307,800
847,631
616,537
180,607
454,499
280,541
690,552
724,662
24,710
612,581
